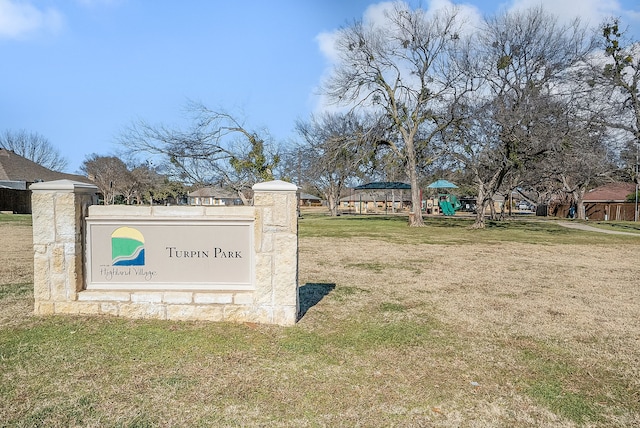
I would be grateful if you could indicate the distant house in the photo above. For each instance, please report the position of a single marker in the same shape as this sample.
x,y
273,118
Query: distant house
x,y
609,202
307,200
210,196
17,174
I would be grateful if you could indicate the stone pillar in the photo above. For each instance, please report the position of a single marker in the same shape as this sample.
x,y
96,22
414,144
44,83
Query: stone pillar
x,y
277,250
59,208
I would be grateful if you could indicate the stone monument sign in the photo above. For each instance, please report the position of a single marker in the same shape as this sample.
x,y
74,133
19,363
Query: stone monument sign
x,y
217,263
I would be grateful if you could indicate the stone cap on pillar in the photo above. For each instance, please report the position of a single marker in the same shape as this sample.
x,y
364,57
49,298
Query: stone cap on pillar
x,y
275,186
66,186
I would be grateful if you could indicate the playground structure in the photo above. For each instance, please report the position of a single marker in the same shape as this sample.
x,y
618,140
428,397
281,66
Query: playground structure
x,y
449,204
445,203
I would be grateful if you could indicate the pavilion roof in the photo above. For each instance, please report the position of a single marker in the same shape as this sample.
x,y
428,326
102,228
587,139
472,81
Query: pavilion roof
x,y
382,185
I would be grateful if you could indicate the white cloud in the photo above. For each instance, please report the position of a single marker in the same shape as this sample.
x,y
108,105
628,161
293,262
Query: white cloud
x,y
467,13
326,40
20,19
376,14
326,44
591,12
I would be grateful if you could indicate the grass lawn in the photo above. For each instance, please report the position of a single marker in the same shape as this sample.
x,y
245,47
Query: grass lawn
x,y
622,226
523,324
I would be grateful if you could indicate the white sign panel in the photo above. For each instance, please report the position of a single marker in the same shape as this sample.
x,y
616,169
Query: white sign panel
x,y
169,254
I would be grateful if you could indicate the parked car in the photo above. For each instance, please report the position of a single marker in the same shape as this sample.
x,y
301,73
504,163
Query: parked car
x,y
524,205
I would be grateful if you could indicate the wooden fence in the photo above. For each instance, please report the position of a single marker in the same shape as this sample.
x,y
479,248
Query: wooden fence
x,y
16,201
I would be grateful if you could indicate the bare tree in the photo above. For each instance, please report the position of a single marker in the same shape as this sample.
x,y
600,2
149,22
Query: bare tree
x,y
34,147
403,68
165,191
613,96
216,148
111,175
579,156
253,160
622,72
524,61
336,149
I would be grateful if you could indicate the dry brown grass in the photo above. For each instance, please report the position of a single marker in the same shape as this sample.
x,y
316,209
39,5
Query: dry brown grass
x,y
16,253
16,271
470,334
503,301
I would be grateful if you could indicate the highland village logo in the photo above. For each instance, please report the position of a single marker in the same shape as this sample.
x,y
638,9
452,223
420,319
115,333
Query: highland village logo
x,y
127,247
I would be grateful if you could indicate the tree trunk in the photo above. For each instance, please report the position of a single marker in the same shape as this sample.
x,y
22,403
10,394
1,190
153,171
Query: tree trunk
x,y
481,205
579,203
415,217
333,206
241,195
479,222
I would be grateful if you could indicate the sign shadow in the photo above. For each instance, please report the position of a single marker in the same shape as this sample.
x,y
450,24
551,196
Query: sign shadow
x,y
311,294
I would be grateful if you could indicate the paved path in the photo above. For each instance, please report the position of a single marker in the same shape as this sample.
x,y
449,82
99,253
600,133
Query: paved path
x,y
588,228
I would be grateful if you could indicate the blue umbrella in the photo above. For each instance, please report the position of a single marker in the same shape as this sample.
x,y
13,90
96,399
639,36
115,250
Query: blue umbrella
x,y
442,184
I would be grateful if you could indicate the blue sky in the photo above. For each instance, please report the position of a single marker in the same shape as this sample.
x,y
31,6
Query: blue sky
x,y
79,71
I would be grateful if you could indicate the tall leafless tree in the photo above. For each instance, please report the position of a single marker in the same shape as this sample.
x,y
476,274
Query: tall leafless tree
x,y
337,148
404,69
34,147
522,108
613,96
582,158
216,148
622,72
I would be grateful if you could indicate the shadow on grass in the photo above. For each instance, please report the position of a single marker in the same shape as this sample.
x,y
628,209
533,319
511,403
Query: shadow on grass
x,y
310,295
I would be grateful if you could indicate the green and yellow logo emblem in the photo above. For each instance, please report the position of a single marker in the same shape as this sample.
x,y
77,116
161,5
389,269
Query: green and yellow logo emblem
x,y
127,247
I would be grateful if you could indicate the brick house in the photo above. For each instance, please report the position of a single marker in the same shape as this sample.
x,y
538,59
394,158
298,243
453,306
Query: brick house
x,y
609,202
17,174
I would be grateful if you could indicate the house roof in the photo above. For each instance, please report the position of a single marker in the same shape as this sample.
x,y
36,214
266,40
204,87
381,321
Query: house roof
x,y
612,192
14,167
309,197
374,196
379,185
214,192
